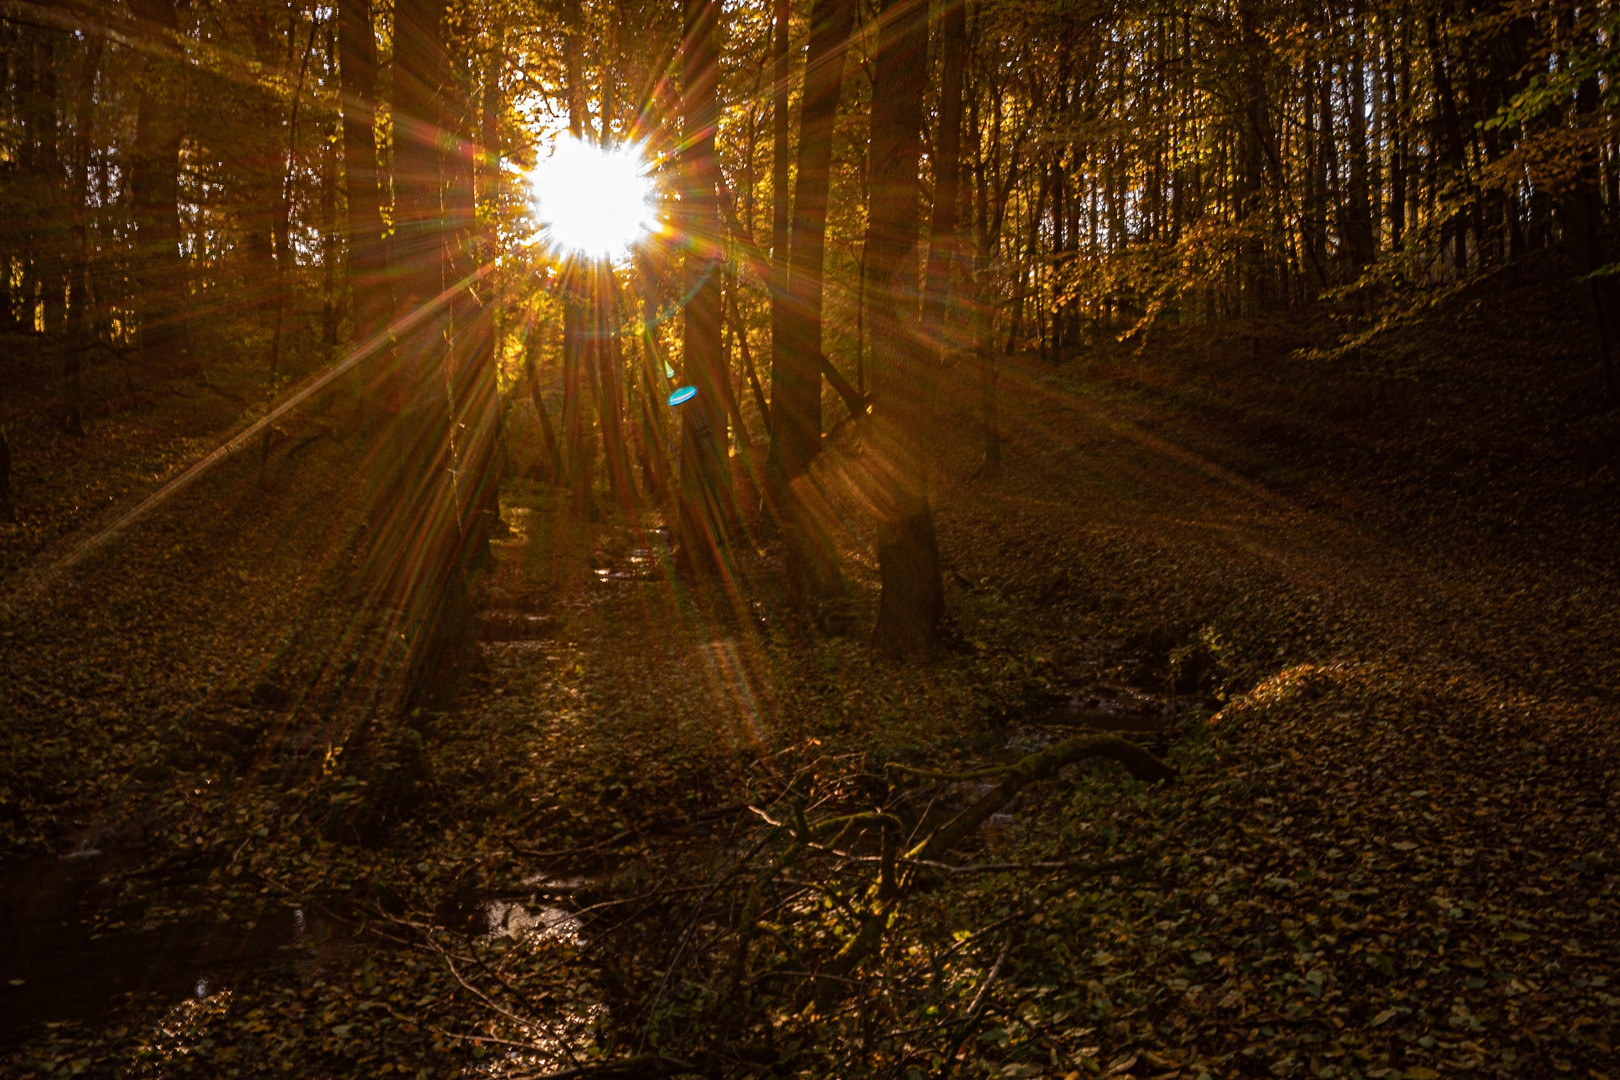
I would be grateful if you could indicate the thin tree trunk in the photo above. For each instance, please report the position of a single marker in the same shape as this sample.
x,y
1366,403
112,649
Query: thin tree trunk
x,y
363,229
749,370
160,268
8,512
531,376
705,515
947,176
780,134
576,306
610,389
83,332
1583,235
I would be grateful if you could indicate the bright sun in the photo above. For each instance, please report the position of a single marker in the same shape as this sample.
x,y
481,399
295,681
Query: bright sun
x,y
594,201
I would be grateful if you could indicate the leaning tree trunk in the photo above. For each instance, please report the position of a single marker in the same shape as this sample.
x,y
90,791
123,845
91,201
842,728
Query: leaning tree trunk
x,y
796,356
705,506
912,600
154,185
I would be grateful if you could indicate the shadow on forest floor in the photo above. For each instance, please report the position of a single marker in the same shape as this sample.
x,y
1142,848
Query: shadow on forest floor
x,y
1380,652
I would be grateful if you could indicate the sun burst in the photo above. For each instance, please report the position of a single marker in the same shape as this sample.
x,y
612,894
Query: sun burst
x,y
594,201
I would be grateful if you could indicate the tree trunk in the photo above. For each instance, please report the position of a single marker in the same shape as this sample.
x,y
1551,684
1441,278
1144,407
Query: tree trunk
x,y
423,542
610,389
576,304
474,393
154,185
531,371
82,332
705,515
796,313
357,70
912,600
1583,235
780,134
8,513
796,309
947,176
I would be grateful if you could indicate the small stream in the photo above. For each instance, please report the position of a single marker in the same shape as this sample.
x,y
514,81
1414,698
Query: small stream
x,y
56,965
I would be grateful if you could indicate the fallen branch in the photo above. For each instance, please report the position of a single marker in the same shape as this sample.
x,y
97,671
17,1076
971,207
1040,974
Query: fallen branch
x,y
1038,766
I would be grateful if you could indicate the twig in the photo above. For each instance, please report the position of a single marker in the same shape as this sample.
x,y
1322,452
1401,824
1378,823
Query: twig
x,y
976,1006
632,1068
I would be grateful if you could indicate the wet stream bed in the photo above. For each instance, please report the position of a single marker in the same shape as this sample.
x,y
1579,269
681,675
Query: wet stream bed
x,y
63,959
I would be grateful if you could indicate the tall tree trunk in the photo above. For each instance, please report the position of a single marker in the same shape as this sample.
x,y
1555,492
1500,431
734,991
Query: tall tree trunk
x,y
1583,236
1395,125
160,267
796,313
531,372
912,600
705,516
331,229
988,217
780,134
947,177
423,541
474,392
82,332
796,308
610,388
357,71
576,304
1358,202
1450,139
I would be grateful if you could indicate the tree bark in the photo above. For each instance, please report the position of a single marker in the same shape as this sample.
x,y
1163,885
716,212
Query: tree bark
x,y
423,541
780,135
947,176
154,184
796,315
796,351
82,332
1583,236
8,512
357,72
531,371
705,513
610,389
576,306
912,600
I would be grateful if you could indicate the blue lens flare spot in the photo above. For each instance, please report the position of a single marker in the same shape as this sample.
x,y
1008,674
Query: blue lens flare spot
x,y
682,396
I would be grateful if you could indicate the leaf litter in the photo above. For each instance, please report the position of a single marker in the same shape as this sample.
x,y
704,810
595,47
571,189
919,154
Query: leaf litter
x,y
1389,852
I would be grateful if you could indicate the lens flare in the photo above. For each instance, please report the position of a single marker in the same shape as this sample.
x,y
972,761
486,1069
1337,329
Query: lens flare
x,y
594,201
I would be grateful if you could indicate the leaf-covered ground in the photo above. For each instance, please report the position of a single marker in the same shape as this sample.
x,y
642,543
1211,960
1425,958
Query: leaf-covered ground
x,y
1375,630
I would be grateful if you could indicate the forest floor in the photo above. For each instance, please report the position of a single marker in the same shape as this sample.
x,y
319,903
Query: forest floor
x,y
1368,610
